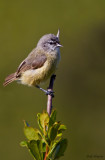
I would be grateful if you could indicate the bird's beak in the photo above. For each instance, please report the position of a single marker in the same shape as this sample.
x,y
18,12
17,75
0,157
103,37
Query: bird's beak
x,y
59,45
58,33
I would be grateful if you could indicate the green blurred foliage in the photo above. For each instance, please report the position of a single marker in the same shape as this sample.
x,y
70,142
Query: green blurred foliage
x,y
80,82
48,141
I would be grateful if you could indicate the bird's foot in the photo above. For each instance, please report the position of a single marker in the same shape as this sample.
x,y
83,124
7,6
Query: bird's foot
x,y
51,93
47,92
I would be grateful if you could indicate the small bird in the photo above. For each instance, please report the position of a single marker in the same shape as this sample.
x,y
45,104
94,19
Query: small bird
x,y
40,64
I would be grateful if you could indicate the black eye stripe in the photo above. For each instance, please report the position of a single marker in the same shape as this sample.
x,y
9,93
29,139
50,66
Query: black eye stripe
x,y
53,42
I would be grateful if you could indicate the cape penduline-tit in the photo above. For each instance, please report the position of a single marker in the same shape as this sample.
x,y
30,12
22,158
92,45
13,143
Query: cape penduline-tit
x,y
40,64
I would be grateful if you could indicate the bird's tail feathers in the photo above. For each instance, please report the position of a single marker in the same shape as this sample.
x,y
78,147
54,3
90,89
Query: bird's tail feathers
x,y
9,79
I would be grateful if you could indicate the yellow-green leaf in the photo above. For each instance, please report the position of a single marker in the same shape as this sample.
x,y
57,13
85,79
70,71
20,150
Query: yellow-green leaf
x,y
35,148
52,118
38,120
62,127
53,131
31,133
23,144
60,148
44,119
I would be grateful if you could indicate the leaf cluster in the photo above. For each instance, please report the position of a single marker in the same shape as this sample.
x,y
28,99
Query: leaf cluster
x,y
49,137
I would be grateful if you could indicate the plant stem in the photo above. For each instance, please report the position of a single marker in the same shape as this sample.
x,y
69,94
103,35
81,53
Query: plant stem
x,y
49,105
45,158
50,88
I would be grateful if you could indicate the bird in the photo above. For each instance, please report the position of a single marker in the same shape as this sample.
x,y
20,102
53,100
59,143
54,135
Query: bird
x,y
40,64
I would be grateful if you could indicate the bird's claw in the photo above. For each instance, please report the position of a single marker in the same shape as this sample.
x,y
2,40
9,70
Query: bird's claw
x,y
51,93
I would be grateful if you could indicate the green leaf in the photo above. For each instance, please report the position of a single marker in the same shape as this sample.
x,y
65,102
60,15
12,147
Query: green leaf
x,y
38,120
62,127
35,148
60,148
52,133
59,134
52,148
44,147
40,146
23,144
31,133
52,118
44,119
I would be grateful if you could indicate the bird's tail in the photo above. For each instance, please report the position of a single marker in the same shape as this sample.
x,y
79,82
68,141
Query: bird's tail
x,y
9,79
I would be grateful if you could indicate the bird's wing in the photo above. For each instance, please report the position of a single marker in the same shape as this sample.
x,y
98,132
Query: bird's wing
x,y
31,62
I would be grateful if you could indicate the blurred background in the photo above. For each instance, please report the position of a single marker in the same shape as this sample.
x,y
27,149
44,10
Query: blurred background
x,y
80,83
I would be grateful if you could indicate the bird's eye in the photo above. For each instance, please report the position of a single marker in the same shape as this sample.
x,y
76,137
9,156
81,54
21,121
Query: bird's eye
x,y
52,42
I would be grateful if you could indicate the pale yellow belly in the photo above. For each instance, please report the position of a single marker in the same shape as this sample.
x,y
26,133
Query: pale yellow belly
x,y
40,75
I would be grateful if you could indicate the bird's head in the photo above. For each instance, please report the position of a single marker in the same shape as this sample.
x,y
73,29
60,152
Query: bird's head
x,y
49,42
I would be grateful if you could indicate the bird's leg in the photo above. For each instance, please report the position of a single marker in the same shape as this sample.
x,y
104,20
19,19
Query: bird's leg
x,y
51,93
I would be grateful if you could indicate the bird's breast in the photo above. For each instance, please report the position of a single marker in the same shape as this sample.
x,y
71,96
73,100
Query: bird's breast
x,y
40,75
